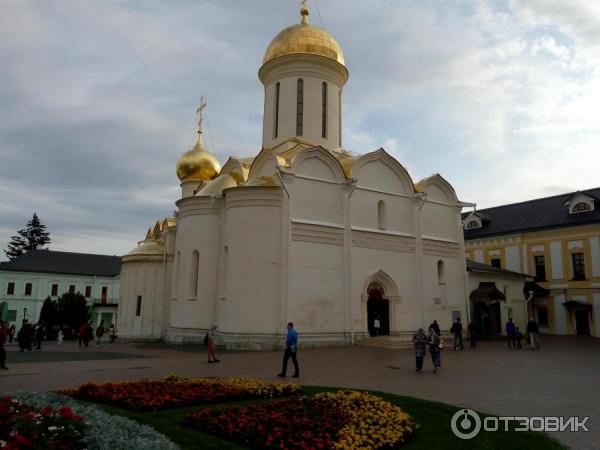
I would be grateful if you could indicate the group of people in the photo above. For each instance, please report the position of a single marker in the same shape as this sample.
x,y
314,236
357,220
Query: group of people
x,y
433,339
86,334
31,336
291,349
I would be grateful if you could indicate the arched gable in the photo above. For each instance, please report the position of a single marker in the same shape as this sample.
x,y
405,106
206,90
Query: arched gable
x,y
264,164
380,170
384,280
438,189
318,163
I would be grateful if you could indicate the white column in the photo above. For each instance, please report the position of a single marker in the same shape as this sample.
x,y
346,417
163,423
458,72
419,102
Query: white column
x,y
560,315
556,258
596,313
595,249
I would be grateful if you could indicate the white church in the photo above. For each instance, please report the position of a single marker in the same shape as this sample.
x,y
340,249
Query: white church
x,y
305,231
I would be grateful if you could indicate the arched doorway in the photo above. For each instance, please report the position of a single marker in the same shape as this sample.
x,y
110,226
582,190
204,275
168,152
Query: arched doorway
x,y
487,317
378,307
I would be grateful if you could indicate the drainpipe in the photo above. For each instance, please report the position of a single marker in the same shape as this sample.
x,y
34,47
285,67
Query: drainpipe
x,y
288,244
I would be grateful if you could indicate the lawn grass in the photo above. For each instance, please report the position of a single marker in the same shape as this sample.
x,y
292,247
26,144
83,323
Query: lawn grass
x,y
433,418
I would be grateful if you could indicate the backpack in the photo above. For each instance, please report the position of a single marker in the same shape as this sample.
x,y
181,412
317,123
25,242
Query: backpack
x,y
206,339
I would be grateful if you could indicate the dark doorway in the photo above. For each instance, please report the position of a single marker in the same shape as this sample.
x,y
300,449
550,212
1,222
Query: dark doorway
x,y
581,322
378,307
488,318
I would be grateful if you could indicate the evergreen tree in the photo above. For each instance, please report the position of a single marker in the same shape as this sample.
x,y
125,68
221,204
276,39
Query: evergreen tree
x,y
72,311
49,317
35,234
15,247
30,238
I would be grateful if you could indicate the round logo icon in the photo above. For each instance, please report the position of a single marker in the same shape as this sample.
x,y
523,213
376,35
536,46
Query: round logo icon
x,y
466,424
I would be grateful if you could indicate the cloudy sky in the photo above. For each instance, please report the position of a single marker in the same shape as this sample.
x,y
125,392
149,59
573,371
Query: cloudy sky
x,y
98,99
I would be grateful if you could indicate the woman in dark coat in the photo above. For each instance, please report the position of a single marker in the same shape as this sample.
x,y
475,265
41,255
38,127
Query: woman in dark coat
x,y
420,340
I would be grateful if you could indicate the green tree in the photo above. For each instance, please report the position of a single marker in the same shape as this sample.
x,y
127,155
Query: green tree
x,y
30,238
72,311
49,317
15,247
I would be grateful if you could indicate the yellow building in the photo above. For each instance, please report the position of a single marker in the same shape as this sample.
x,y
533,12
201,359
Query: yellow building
x,y
556,240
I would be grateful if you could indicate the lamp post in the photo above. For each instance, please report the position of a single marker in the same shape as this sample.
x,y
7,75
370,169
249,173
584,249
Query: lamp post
x,y
24,313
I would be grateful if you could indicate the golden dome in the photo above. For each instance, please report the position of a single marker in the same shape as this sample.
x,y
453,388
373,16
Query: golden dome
x,y
198,163
304,38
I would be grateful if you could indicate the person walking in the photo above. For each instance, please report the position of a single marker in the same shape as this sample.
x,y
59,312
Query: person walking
x,y
533,333
210,336
376,324
456,331
291,348
518,338
435,327
473,329
99,333
39,336
435,346
4,333
420,341
112,334
510,333
59,337
24,336
82,333
11,336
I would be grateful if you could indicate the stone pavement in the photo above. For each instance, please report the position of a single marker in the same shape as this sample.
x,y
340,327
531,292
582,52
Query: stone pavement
x,y
559,380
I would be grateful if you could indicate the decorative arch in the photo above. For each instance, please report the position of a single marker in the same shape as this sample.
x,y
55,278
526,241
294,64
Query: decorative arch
x,y
264,164
404,180
383,280
324,157
438,189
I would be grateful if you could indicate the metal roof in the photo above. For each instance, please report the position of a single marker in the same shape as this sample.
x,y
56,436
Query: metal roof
x,y
47,261
533,215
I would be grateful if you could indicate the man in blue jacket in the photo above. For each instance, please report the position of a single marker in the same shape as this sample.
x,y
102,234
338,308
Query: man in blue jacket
x,y
291,347
510,333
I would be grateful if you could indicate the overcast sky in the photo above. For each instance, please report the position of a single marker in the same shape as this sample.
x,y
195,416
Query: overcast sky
x,y
98,99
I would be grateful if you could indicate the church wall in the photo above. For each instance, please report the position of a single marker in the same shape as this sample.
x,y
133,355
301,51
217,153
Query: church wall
x,y
316,301
249,293
441,221
198,228
317,201
141,278
443,293
398,211
400,264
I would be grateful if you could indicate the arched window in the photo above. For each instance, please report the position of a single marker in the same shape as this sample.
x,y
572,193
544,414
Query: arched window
x,y
581,206
381,214
194,274
324,110
299,107
276,127
473,224
441,272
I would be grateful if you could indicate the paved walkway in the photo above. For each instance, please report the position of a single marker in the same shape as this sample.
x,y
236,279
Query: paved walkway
x,y
561,379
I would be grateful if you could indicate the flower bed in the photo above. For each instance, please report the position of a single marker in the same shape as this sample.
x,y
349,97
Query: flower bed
x,y
340,420
102,431
173,392
25,427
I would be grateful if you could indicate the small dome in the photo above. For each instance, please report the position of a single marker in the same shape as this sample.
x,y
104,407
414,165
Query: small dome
x,y
216,187
148,247
198,163
304,38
